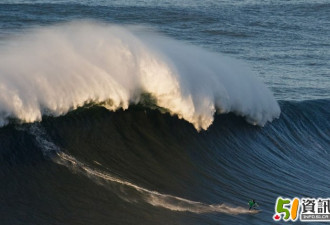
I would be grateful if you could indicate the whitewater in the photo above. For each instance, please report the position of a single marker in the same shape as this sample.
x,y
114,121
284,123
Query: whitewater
x,y
55,69
174,203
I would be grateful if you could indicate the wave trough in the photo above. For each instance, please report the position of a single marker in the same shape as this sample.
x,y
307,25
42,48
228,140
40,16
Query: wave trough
x,y
52,70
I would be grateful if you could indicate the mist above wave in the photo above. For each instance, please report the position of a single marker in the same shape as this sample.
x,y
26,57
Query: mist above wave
x,y
52,70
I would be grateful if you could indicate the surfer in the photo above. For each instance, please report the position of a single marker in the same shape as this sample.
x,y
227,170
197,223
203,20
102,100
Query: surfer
x,y
252,204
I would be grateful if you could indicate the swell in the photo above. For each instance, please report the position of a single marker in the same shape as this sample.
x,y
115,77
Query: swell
x,y
304,123
136,193
298,121
144,156
53,70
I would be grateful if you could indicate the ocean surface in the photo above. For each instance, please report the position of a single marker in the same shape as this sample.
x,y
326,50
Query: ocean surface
x,y
162,112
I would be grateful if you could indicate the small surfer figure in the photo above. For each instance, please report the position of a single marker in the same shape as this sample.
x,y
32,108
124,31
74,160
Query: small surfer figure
x,y
252,204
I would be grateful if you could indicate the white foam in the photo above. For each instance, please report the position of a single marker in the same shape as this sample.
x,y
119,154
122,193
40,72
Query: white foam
x,y
52,70
154,198
170,202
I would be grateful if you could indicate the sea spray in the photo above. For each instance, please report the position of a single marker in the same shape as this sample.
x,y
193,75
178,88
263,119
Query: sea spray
x,y
52,70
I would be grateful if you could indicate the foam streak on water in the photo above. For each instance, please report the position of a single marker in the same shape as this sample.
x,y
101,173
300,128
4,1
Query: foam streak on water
x,y
154,198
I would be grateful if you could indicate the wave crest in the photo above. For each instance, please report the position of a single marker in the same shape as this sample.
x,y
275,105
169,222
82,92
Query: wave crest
x,y
52,70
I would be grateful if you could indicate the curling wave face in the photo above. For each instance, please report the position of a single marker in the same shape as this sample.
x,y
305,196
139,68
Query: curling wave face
x,y
52,70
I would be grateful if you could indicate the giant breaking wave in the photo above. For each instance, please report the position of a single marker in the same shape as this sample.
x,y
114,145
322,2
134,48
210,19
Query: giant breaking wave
x,y
52,70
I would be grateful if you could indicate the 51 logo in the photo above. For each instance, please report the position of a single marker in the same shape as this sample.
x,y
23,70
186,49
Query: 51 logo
x,y
311,209
288,208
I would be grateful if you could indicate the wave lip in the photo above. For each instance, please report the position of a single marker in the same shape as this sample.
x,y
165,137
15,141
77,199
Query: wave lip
x,y
52,70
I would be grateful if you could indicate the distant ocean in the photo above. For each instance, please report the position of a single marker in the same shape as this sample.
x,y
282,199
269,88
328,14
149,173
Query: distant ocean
x,y
162,112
